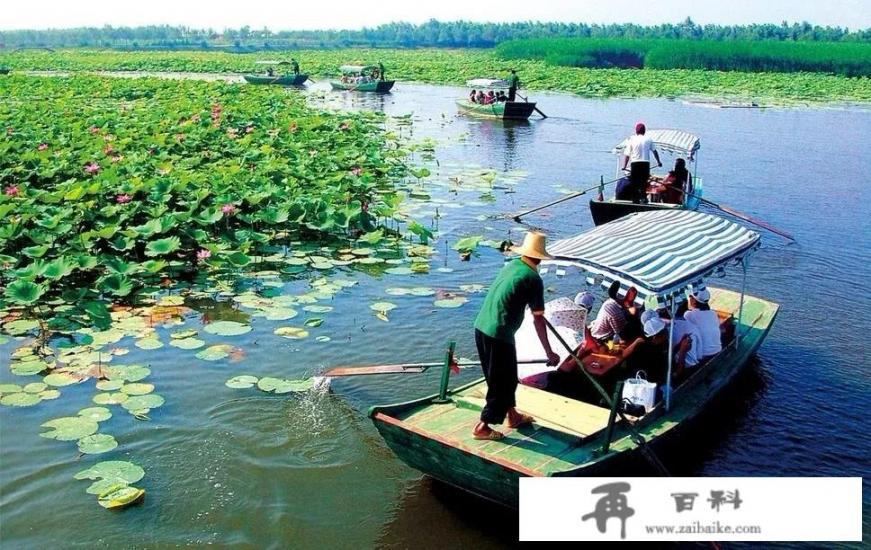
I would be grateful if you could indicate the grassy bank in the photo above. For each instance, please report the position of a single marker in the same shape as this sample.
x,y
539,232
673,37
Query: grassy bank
x,y
840,58
456,66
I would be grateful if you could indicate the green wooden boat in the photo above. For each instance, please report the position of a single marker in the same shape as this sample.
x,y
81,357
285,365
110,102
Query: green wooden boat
x,y
280,80
505,110
361,78
581,438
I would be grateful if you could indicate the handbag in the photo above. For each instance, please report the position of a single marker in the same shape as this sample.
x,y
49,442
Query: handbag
x,y
640,391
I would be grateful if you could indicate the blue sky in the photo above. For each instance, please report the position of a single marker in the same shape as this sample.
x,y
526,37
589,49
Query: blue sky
x,y
350,14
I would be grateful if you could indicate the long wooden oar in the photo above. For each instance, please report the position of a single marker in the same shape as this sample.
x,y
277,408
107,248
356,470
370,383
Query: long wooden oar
x,y
517,215
536,109
402,368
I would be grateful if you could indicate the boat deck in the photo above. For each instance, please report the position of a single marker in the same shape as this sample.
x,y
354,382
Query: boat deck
x,y
550,444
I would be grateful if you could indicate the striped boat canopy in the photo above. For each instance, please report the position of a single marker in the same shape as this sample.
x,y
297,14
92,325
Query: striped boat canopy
x,y
487,83
674,141
658,252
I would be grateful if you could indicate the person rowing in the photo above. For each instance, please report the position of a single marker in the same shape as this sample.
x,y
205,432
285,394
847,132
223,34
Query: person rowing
x,y
637,157
517,286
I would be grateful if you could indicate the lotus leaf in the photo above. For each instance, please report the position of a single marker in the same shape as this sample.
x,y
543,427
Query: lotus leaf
x,y
382,307
10,388
109,385
398,270
323,338
187,343
69,428
116,284
227,328
314,322
241,382
97,414
170,301
318,309
137,388
19,399
49,394
149,401
117,471
422,291
450,302
110,398
121,498
129,373
96,444
215,353
35,387
291,332
280,313
148,343
162,247
61,379
20,326
190,333
27,368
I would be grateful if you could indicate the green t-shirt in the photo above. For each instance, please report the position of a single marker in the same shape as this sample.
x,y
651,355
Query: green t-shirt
x,y
513,81
516,287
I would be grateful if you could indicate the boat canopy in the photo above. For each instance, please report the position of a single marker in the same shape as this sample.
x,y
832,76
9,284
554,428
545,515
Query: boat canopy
x,y
674,141
357,69
660,253
487,83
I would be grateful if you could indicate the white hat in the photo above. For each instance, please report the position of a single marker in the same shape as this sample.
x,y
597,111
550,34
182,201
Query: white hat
x,y
585,299
533,246
701,295
649,314
653,327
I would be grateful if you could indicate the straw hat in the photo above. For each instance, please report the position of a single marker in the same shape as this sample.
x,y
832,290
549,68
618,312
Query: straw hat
x,y
533,246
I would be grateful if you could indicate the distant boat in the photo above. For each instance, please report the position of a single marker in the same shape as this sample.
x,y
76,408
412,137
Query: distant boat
x,y
503,110
361,78
286,79
4,70
584,437
677,142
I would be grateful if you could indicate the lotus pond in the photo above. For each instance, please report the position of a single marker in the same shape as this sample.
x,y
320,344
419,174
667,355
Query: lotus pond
x,y
456,66
160,351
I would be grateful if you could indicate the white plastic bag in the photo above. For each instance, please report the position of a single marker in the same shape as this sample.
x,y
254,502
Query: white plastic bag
x,y
640,392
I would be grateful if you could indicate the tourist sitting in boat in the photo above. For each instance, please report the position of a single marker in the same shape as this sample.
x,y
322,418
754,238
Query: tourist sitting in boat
x,y
501,97
677,183
479,98
473,96
706,320
616,317
648,352
689,354
490,98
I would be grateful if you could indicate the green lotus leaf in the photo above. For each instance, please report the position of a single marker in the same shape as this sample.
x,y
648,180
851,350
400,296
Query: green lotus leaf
x,y
422,291
69,428
97,414
293,333
382,307
187,343
49,394
96,444
451,302
398,271
162,247
116,398
373,237
20,327
148,401
61,379
154,266
184,334
129,373
139,388
241,382
58,268
121,498
148,343
287,386
118,471
105,486
268,383
238,259
109,385
280,313
19,399
116,284
323,338
227,328
35,251
35,387
314,322
10,388
24,292
28,368
215,353
318,309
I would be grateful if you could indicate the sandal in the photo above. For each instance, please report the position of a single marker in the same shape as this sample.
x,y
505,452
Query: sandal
x,y
522,420
492,435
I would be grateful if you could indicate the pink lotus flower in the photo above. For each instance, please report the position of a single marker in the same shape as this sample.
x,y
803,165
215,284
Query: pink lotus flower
x,y
229,209
108,150
12,191
123,199
357,171
93,129
92,168
249,129
42,147
203,254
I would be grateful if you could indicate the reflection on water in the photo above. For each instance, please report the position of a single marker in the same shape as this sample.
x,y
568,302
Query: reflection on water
x,y
239,467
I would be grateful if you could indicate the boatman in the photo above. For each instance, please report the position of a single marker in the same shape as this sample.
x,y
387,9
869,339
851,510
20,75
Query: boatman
x,y
517,286
513,84
637,157
295,66
381,71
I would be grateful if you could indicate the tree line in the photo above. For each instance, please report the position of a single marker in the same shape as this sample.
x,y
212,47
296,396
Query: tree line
x,y
453,34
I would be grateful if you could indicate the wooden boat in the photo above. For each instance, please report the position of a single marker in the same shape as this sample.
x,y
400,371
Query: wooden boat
x,y
4,70
361,78
572,437
676,142
286,79
501,110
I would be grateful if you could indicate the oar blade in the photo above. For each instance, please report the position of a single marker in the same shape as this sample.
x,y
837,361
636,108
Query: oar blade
x,y
380,369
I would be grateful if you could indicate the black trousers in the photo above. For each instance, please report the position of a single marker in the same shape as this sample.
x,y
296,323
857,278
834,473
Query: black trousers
x,y
511,93
639,174
499,363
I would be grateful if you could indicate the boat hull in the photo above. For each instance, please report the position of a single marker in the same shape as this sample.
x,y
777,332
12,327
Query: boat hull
x,y
435,438
380,86
603,212
504,110
285,80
